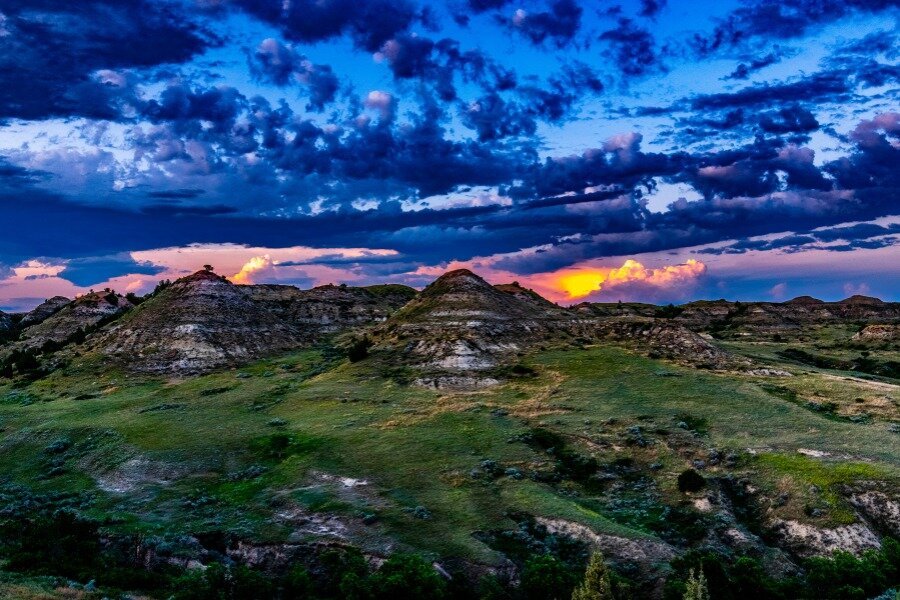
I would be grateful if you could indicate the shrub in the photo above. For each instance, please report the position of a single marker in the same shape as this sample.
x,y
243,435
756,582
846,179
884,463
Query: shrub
x,y
359,349
690,481
218,582
546,578
407,577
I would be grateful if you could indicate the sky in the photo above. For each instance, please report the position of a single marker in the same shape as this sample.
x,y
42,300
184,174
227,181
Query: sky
x,y
650,150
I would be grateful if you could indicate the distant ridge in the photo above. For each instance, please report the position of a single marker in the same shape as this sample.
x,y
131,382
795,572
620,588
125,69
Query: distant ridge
x,y
459,331
862,300
805,301
44,311
83,314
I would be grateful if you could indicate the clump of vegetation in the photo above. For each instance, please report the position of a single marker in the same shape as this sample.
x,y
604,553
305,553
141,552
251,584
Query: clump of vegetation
x,y
690,481
359,349
597,583
569,464
279,446
670,311
841,576
699,425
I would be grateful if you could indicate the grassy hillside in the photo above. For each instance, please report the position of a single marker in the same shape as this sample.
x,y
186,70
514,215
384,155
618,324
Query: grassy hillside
x,y
310,447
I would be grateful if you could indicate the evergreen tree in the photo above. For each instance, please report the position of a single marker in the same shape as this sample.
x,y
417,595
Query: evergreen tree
x,y
597,584
696,587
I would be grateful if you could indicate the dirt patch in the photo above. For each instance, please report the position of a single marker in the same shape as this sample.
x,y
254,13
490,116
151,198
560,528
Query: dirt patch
x,y
807,540
645,550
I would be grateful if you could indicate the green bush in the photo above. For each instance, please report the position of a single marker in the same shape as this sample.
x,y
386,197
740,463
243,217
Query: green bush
x,y
846,576
218,582
547,578
690,481
407,577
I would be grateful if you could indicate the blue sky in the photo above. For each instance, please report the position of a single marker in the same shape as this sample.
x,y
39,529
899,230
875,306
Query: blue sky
x,y
740,149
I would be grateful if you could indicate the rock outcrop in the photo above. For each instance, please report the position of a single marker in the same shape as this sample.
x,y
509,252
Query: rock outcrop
x,y
878,333
460,325
200,322
663,339
5,322
44,311
76,319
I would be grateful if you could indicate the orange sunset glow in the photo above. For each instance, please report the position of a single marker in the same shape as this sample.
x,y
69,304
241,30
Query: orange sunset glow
x,y
582,282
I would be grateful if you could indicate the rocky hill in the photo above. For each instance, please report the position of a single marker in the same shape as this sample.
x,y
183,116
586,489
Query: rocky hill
x,y
199,323
460,325
44,311
204,322
75,319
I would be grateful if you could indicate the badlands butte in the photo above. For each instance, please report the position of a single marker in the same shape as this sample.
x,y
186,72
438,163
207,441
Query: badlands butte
x,y
476,425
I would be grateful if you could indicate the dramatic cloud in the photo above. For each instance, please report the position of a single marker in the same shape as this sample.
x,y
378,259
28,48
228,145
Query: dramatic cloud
x,y
85,272
58,59
282,65
559,24
633,48
525,138
780,19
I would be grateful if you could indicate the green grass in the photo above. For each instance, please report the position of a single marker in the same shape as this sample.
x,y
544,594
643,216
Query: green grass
x,y
826,476
413,447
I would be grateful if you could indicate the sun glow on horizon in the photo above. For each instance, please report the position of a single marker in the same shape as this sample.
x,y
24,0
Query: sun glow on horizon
x,y
583,282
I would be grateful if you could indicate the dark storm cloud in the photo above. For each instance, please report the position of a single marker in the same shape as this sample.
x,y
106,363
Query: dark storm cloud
x,y
878,42
632,48
559,24
874,162
282,65
369,23
745,69
52,52
788,119
480,6
855,236
821,87
768,20
85,272
650,8
185,106
176,194
493,118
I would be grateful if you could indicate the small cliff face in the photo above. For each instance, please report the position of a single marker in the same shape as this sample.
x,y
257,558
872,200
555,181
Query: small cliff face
x,y
201,322
878,333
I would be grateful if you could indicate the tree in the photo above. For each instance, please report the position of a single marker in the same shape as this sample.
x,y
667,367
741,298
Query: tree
x,y
208,268
407,577
546,578
696,587
597,584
